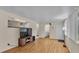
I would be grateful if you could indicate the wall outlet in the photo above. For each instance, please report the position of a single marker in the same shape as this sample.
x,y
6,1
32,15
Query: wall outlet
x,y
8,44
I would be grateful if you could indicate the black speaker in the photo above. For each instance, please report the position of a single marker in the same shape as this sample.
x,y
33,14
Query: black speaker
x,y
33,38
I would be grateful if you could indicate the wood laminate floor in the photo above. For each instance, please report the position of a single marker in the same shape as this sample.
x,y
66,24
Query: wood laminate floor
x,y
44,45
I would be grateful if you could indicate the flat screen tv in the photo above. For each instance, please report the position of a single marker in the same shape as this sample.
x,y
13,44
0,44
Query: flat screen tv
x,y
23,29
24,32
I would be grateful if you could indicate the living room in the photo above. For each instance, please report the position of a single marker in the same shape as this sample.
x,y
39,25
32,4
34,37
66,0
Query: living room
x,y
46,24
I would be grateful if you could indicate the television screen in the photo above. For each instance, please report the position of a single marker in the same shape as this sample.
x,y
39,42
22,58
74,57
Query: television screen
x,y
24,32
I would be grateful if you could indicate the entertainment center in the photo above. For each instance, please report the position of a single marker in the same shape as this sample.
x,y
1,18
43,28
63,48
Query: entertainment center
x,y
25,36
25,32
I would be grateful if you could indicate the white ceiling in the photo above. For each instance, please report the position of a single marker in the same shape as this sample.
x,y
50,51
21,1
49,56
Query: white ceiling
x,y
39,13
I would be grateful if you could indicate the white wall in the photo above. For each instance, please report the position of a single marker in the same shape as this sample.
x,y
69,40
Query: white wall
x,y
57,32
34,29
72,31
41,31
7,35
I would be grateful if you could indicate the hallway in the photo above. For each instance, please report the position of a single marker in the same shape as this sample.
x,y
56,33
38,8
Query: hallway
x,y
42,45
